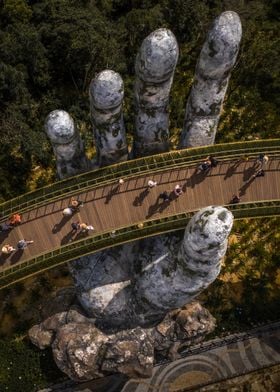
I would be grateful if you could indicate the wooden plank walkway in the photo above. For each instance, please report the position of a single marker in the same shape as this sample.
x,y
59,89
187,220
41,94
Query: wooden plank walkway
x,y
108,208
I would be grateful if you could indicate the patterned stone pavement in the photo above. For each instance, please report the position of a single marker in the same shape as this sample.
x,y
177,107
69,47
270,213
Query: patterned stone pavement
x,y
220,359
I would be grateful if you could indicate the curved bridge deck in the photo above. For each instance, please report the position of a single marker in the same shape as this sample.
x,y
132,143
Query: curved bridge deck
x,y
111,208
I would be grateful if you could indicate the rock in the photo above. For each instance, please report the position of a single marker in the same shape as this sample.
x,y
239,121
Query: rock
x,y
154,68
77,350
84,352
106,95
182,328
67,144
216,60
130,352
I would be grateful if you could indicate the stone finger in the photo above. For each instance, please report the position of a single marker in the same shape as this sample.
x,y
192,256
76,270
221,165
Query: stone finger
x,y
67,144
106,96
216,60
154,67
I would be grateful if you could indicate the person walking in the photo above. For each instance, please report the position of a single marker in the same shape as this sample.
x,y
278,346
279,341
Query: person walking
x,y
5,226
260,173
213,161
67,211
85,228
75,227
8,249
235,199
262,160
164,196
75,204
152,184
204,166
15,220
22,244
178,190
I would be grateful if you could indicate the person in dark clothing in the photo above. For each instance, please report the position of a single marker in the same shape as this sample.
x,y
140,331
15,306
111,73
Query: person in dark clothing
x,y
213,161
5,227
204,166
260,173
235,199
22,244
75,204
75,226
164,196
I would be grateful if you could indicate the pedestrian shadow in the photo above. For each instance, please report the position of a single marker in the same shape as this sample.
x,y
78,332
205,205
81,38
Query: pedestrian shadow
x,y
4,257
4,234
58,226
164,205
247,174
16,256
67,238
244,187
112,192
231,170
153,208
139,199
196,178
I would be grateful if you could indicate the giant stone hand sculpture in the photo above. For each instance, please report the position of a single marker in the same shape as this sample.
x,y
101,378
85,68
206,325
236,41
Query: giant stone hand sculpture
x,y
127,291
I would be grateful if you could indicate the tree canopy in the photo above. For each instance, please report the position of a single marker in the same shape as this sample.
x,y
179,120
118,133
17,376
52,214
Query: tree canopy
x,y
51,49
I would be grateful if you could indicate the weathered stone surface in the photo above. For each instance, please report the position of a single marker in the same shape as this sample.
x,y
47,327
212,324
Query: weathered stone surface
x,y
171,280
181,328
106,95
130,352
67,144
83,352
165,274
217,58
77,349
154,67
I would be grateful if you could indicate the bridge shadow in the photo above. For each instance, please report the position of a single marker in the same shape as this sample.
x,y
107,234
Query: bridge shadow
x,y
58,226
112,192
139,199
244,187
158,207
232,169
4,234
67,238
16,256
247,174
196,178
4,258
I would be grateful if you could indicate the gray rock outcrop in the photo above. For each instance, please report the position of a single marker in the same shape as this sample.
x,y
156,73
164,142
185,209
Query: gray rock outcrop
x,y
67,144
106,95
216,60
84,352
154,68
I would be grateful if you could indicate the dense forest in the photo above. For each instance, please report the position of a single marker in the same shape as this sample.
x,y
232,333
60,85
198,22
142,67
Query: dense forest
x,y
51,49
49,52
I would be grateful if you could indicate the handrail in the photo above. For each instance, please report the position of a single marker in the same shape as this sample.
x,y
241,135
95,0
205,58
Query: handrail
x,y
121,235
136,167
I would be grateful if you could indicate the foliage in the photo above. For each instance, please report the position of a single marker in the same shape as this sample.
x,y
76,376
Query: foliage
x,y
50,50
25,368
247,290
